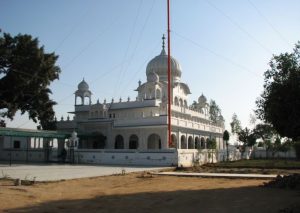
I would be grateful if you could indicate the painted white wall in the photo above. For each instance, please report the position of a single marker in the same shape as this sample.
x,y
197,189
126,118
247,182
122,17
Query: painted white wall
x,y
127,157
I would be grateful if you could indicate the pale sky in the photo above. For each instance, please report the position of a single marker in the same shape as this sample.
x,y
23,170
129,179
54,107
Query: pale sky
x,y
224,47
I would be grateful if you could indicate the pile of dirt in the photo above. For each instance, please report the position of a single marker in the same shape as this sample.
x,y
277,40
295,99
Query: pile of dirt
x,y
287,181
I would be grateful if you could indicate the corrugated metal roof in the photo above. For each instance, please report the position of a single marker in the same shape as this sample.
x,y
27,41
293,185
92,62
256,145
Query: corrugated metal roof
x,y
32,133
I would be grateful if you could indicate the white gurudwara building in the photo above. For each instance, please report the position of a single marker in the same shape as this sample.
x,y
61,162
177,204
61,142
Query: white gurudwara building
x,y
136,131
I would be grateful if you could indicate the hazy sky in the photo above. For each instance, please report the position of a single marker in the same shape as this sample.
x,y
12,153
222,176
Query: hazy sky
x,y
223,47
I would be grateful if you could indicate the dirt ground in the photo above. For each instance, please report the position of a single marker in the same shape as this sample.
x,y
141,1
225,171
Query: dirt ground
x,y
137,193
215,169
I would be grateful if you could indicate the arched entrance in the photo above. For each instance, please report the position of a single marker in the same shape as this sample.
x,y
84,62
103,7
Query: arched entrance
x,y
208,143
197,143
99,141
119,142
154,142
202,143
133,142
183,144
190,143
174,141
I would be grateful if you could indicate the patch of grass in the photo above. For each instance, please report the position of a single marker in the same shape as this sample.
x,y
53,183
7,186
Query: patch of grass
x,y
261,163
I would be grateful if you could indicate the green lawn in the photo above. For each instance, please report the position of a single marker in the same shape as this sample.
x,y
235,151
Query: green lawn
x,y
271,164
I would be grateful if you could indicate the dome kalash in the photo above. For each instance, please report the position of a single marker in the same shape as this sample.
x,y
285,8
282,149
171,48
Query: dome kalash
x,y
159,65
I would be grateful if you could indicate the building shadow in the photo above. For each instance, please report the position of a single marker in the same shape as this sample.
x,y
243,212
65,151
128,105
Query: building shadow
x,y
244,199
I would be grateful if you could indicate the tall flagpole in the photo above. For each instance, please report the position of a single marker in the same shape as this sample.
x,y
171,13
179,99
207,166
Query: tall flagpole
x,y
169,77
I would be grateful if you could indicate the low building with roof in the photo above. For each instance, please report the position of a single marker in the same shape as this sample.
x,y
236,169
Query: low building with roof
x,y
28,145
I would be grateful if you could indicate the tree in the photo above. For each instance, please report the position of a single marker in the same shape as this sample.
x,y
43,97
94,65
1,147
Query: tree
x,y
2,123
26,72
264,131
194,105
247,137
276,146
235,124
214,111
226,139
285,146
279,103
211,143
252,119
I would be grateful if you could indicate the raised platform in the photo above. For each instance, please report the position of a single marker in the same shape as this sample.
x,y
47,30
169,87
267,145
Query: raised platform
x,y
218,175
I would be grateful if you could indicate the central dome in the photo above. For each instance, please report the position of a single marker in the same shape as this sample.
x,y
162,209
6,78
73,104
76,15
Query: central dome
x,y
159,65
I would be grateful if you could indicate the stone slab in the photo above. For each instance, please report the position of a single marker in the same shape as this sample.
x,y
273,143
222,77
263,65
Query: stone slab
x,y
218,175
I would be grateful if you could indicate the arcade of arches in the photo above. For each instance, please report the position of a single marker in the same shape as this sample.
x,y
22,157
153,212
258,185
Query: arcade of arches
x,y
153,141
190,142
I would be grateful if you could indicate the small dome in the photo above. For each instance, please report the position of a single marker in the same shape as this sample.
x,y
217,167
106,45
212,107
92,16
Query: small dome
x,y
83,86
202,99
152,77
220,118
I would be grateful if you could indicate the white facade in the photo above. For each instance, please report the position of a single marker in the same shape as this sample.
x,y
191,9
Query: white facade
x,y
141,124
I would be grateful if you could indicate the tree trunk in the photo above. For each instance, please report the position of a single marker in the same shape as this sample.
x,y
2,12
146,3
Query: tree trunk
x,y
227,159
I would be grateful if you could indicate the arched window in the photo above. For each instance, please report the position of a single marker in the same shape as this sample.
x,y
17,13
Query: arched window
x,y
78,100
173,141
183,144
180,102
190,143
154,142
119,142
149,94
86,100
185,103
176,101
133,142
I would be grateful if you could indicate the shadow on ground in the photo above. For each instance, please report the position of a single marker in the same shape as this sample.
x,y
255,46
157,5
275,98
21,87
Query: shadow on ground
x,y
245,199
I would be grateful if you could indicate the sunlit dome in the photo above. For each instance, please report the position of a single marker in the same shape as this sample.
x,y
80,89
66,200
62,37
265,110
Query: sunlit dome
x,y
159,65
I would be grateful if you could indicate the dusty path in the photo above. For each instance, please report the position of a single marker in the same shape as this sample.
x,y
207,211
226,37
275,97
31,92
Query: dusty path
x,y
55,172
131,193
